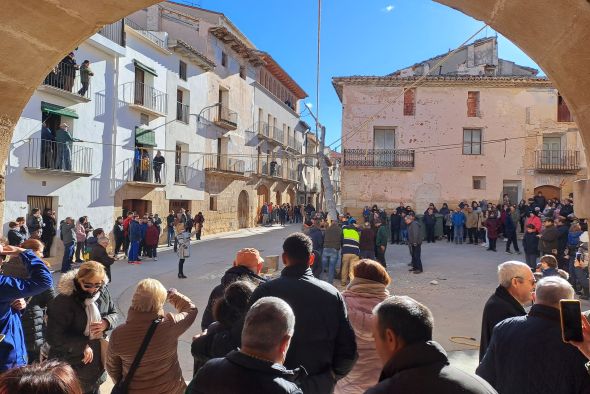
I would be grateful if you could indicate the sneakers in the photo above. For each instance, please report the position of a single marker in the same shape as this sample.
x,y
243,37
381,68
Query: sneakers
x,y
417,271
155,258
508,252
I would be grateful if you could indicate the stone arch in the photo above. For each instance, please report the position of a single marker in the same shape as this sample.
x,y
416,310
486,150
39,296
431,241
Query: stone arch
x,y
549,191
38,34
243,210
263,196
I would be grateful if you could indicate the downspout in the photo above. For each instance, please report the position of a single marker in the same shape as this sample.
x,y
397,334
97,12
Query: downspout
x,y
115,127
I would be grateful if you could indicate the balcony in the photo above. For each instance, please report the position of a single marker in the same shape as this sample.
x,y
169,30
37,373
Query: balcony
x,y
114,32
270,133
65,81
226,118
557,161
394,159
50,157
142,173
232,166
294,146
144,98
180,174
147,35
182,112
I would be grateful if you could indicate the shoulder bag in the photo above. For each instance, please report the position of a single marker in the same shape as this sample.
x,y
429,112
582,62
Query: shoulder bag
x,y
122,387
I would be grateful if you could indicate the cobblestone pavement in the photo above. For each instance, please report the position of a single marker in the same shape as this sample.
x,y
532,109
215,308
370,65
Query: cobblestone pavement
x,y
456,282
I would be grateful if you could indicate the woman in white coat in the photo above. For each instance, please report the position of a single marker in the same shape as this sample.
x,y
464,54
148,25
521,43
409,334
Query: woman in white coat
x,y
184,248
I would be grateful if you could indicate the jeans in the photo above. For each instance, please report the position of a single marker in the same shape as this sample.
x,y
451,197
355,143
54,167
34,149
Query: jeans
x,y
416,251
330,261
404,234
458,234
64,155
170,235
79,251
157,177
531,260
66,263
134,251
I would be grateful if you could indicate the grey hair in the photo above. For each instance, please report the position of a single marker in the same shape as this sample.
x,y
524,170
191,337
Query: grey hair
x,y
510,269
551,289
266,324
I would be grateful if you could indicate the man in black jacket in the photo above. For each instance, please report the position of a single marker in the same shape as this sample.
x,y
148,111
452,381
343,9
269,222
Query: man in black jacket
x,y
413,362
324,342
257,367
247,264
549,238
395,221
515,289
527,354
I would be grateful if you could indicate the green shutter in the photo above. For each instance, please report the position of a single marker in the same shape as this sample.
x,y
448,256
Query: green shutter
x,y
145,137
145,68
58,110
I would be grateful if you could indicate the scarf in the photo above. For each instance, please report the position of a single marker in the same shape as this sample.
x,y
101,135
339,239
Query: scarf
x,y
92,312
368,288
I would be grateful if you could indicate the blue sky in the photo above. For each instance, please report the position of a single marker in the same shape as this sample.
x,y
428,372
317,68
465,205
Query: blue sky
x,y
368,37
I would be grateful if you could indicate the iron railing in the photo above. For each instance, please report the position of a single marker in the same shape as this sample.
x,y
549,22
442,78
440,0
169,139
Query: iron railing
x,y
147,34
227,117
147,96
114,32
182,111
262,165
68,78
379,158
144,170
59,156
180,172
557,160
227,163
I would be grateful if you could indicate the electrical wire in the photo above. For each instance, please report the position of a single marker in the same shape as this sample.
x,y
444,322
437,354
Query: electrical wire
x,y
390,102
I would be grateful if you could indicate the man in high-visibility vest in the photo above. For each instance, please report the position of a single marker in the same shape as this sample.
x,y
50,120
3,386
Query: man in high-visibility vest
x,y
350,249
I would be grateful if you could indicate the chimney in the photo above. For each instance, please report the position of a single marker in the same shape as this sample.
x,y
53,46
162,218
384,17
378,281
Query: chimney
x,y
153,18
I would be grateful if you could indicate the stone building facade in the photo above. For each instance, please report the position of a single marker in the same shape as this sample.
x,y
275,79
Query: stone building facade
x,y
478,128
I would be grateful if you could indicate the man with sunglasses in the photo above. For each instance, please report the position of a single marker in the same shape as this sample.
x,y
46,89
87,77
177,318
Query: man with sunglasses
x,y
516,286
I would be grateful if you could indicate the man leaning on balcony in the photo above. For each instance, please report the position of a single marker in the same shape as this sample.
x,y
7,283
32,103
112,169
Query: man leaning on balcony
x,y
64,141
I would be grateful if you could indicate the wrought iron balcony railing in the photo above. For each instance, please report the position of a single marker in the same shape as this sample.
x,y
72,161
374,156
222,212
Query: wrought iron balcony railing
x,y
559,161
114,32
182,111
180,174
68,78
145,172
141,94
226,118
63,157
147,34
379,158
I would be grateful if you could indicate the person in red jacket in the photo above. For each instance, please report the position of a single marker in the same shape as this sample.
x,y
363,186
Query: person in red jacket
x,y
152,236
126,222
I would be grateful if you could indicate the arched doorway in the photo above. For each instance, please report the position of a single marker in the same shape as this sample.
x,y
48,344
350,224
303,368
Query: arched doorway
x,y
263,196
243,210
549,191
279,198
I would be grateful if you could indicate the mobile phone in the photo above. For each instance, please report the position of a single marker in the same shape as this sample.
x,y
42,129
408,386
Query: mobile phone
x,y
571,320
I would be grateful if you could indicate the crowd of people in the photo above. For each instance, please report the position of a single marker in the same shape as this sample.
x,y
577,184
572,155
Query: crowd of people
x,y
283,214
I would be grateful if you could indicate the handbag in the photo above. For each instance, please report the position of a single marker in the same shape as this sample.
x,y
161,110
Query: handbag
x,y
122,386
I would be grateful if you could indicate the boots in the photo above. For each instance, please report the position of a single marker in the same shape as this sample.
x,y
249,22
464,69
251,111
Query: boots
x,y
180,269
585,293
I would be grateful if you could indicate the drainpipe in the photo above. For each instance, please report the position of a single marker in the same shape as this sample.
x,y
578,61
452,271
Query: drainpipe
x,y
114,132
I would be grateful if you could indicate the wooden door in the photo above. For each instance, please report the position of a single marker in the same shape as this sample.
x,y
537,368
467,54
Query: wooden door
x,y
139,86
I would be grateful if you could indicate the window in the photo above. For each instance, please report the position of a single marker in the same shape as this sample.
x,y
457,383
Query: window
x,y
472,141
410,102
563,112
384,138
243,72
182,70
224,59
472,104
144,119
479,182
213,203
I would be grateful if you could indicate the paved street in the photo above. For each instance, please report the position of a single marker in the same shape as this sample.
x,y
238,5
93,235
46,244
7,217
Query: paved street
x,y
466,276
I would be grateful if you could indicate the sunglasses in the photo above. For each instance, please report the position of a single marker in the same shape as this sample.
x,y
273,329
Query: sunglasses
x,y
91,285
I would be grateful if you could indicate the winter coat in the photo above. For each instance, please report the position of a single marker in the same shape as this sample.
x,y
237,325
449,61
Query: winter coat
x,y
534,220
134,231
333,236
184,245
80,232
428,219
67,232
33,320
367,240
218,341
66,322
99,254
13,351
493,227
159,370
382,236
530,243
317,238
118,232
423,368
549,241
231,275
458,219
361,296
49,230
414,233
238,373
395,221
143,229
501,305
563,231
324,341
528,356
152,236
573,238
540,202
509,224
472,219
35,223
15,237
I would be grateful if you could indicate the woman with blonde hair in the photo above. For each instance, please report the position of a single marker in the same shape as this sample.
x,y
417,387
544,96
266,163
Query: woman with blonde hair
x,y
158,370
78,319
367,288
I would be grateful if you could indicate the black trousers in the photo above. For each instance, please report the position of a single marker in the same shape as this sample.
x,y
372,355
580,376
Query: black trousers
x,y
430,233
180,267
511,235
416,251
395,238
472,235
492,244
126,245
380,255
118,245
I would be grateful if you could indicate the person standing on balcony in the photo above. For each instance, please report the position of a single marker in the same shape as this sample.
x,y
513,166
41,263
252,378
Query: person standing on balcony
x,y
158,162
64,142
47,147
144,165
85,74
67,72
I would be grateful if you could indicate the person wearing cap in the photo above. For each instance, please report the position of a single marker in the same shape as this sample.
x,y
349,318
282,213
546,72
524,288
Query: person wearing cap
x,y
381,242
351,239
247,265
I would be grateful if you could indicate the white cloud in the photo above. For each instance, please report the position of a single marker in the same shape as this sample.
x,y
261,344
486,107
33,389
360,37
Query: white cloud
x,y
388,8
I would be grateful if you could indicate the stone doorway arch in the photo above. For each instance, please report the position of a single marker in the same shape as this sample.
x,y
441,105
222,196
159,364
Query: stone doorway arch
x,y
243,210
263,196
549,191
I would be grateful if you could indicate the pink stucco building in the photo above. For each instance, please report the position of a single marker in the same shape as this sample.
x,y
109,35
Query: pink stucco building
x,y
474,128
